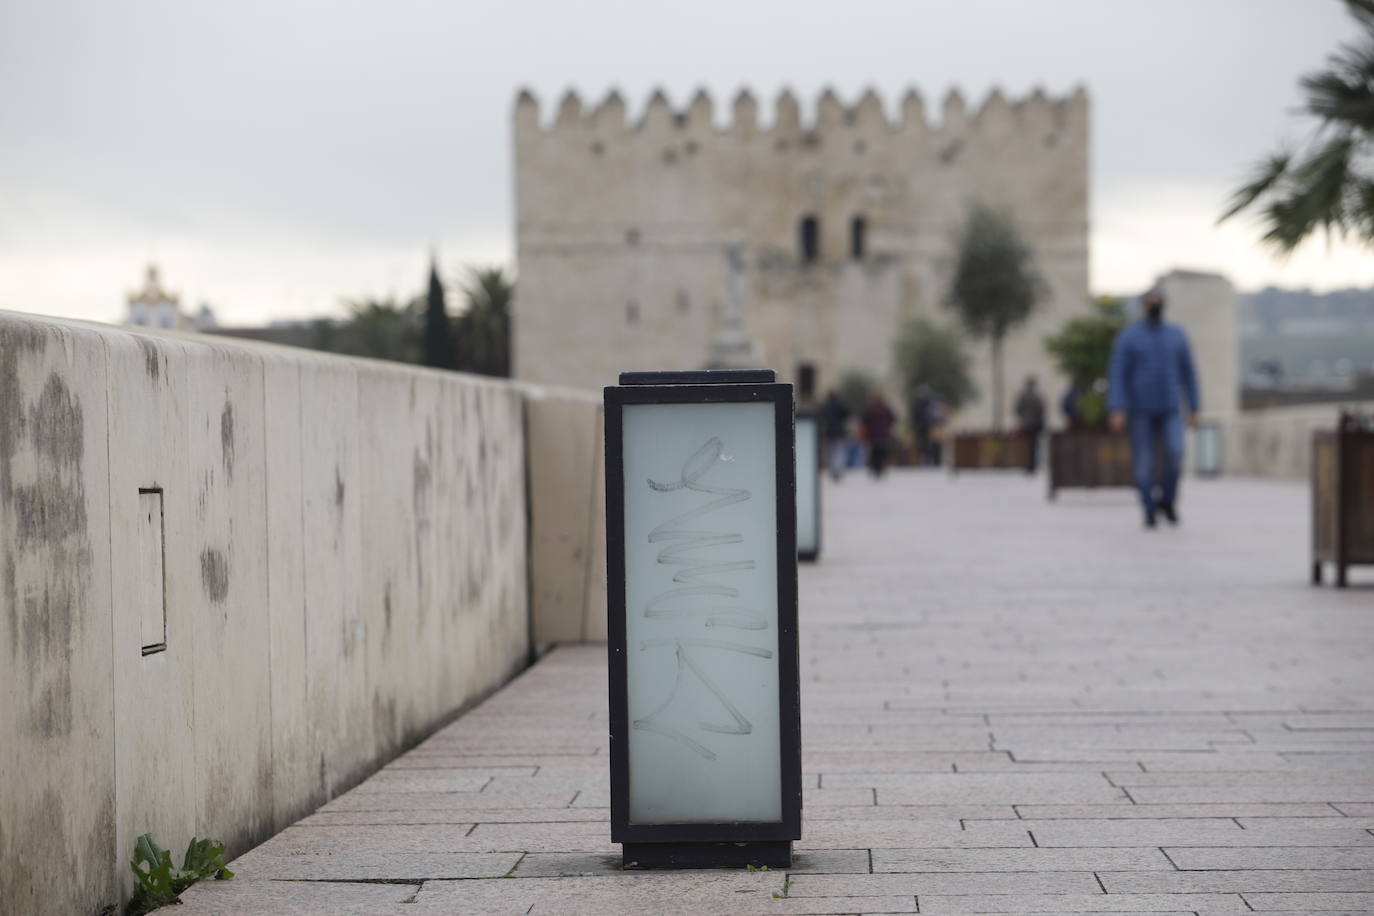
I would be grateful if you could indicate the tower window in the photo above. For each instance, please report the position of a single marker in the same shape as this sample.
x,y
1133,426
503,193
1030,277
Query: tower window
x,y
632,312
858,231
810,232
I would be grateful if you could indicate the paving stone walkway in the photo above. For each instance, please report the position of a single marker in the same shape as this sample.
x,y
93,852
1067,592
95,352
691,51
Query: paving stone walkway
x,y
1008,707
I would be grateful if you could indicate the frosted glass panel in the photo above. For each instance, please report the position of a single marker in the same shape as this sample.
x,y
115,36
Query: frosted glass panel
x,y
1208,445
808,518
701,614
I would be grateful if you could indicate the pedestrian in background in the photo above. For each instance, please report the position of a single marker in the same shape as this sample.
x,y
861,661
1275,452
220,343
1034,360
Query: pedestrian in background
x,y
1068,405
877,420
834,419
919,417
1151,380
1030,414
937,431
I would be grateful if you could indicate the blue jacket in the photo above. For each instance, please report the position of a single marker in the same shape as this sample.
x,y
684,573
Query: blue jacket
x,y
1151,369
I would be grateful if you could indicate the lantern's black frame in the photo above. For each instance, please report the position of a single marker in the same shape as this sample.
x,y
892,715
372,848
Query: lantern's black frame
x,y
695,845
814,416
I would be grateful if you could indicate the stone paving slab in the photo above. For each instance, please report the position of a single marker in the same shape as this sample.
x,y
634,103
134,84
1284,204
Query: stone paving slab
x,y
456,815
1312,823
1202,858
244,895
366,863
818,813
1140,904
1311,903
1008,707
1334,780
1240,882
687,893
395,838
973,859
371,799
1299,813
1184,832
904,834
945,883
1297,792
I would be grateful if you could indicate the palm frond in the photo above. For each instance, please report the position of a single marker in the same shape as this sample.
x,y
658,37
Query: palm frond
x,y
1347,97
1363,11
1328,187
487,288
1325,176
1355,60
1265,177
1313,197
1362,210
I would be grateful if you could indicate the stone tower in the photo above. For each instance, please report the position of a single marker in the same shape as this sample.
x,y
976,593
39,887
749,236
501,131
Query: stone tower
x,y
827,230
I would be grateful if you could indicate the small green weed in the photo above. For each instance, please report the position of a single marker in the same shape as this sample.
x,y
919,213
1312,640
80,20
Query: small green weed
x,y
758,868
786,890
160,884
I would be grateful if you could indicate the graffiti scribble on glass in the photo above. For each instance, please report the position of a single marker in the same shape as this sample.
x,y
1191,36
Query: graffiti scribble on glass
x,y
699,594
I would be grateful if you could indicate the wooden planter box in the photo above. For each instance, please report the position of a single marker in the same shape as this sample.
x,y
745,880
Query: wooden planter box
x,y
1089,458
991,451
1342,499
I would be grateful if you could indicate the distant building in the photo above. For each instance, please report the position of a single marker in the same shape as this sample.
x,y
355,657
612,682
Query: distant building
x,y
1205,305
824,233
1301,347
154,306
1300,338
205,318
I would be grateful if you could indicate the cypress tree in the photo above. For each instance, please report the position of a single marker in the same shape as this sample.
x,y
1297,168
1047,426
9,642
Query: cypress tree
x,y
439,351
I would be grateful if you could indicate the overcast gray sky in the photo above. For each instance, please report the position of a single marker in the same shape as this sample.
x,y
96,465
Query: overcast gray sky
x,y
274,157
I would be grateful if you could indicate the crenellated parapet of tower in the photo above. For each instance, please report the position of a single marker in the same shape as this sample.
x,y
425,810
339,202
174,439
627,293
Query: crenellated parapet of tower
x,y
1034,112
827,221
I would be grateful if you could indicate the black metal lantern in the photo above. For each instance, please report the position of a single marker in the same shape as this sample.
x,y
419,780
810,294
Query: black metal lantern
x,y
701,559
808,431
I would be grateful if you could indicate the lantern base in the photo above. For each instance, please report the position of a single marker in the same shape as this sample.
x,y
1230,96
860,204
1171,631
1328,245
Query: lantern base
x,y
770,854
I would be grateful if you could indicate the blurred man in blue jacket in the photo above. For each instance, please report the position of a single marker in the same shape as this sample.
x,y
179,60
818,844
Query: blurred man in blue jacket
x,y
1151,381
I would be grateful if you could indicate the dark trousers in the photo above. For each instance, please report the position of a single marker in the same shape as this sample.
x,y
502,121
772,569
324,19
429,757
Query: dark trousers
x,y
1032,433
1151,433
877,456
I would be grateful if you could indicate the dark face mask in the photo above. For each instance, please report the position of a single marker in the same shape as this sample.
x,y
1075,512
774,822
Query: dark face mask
x,y
1154,311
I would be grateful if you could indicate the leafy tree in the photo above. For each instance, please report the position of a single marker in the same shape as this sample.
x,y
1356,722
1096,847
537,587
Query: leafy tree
x,y
1082,350
439,349
1329,185
933,355
483,329
855,386
1083,347
995,285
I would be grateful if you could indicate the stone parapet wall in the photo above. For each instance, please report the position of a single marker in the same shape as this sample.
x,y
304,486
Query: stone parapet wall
x,y
333,551
565,436
1277,441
